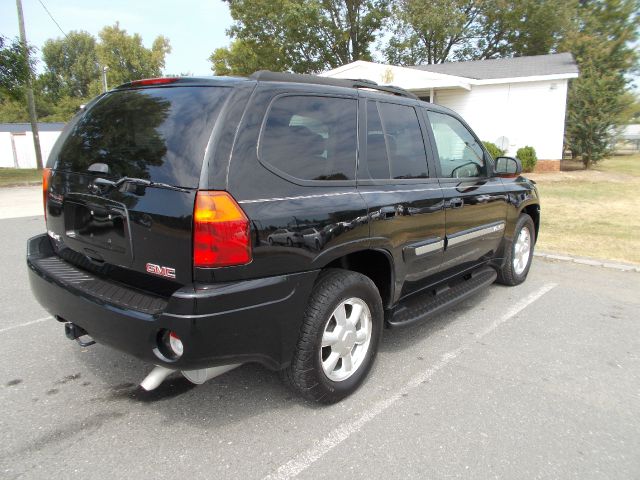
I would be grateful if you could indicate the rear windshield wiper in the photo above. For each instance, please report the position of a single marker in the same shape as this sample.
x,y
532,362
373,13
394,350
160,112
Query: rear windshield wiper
x,y
103,182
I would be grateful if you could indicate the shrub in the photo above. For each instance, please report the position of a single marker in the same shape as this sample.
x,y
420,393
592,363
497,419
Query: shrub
x,y
527,155
493,149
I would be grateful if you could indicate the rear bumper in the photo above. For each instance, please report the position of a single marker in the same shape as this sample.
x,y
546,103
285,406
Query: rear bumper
x,y
247,321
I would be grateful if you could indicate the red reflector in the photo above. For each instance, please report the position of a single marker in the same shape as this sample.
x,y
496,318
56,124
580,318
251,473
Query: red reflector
x,y
153,81
220,231
46,175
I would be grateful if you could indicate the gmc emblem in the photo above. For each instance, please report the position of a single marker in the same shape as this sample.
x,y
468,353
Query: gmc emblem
x,y
162,271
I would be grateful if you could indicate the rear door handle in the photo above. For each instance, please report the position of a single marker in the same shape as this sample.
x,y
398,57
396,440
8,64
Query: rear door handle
x,y
456,203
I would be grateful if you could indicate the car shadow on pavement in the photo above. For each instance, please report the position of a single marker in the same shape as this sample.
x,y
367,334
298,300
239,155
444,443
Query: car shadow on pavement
x,y
398,339
244,392
233,397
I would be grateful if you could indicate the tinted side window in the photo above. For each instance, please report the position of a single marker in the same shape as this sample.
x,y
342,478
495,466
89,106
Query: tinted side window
x,y
377,160
405,147
311,138
460,155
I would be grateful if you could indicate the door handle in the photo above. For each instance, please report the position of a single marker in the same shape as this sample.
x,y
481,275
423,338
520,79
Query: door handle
x,y
456,203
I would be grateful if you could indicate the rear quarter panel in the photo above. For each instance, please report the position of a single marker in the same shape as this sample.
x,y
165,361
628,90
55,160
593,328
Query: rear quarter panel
x,y
334,208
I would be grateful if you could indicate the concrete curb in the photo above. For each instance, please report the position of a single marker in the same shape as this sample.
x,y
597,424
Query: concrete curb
x,y
593,262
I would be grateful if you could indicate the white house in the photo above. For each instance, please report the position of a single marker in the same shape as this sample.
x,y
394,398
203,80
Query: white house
x,y
16,143
628,140
512,102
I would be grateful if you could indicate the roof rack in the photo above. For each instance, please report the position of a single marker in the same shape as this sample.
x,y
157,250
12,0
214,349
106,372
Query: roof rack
x,y
266,75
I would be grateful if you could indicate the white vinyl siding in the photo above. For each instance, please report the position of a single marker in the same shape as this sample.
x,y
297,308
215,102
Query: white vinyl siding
x,y
527,113
25,153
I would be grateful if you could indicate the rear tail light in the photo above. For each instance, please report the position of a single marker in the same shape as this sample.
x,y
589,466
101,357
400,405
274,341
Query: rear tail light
x,y
46,176
220,231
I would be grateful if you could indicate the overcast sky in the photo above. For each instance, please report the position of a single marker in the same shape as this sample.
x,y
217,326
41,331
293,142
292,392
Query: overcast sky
x,y
195,28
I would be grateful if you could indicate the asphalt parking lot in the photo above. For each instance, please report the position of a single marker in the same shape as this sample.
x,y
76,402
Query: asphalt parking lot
x,y
537,381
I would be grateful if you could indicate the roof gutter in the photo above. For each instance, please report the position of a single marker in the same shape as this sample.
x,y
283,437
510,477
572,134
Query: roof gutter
x,y
532,78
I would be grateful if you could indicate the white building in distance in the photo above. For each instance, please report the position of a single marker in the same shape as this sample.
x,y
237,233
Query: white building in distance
x,y
512,102
16,143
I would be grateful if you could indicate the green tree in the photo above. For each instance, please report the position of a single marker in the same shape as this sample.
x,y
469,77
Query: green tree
x,y
13,111
73,68
302,36
602,43
631,112
13,68
243,57
71,65
446,30
127,58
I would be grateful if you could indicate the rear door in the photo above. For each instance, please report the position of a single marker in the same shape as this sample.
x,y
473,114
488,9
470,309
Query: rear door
x,y
403,196
148,135
474,199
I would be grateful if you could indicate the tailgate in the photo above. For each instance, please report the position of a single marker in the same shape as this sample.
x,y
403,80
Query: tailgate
x,y
152,142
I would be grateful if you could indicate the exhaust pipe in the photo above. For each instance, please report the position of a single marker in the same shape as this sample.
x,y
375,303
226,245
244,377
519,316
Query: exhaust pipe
x,y
159,373
156,377
202,375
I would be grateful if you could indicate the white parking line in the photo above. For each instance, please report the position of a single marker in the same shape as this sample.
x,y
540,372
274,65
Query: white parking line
x,y
305,459
26,324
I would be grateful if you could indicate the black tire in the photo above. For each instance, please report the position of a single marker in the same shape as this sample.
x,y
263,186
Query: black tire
x,y
508,275
305,373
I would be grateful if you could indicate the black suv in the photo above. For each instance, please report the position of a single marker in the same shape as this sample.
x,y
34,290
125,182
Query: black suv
x,y
203,223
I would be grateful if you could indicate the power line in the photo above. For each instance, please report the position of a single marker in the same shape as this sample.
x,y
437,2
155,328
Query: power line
x,y
54,20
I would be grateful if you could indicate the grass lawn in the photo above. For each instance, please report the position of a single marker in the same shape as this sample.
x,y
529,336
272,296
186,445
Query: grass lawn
x,y
18,176
592,213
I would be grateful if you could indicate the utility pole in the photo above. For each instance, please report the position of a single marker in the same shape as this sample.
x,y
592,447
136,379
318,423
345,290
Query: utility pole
x,y
30,101
104,79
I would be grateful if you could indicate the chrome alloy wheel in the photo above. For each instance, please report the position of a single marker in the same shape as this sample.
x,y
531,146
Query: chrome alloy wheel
x,y
345,339
522,251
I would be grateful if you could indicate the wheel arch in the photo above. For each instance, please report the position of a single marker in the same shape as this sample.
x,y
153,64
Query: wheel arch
x,y
533,210
377,264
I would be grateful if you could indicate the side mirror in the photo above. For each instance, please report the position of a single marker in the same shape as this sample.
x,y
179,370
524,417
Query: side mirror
x,y
508,167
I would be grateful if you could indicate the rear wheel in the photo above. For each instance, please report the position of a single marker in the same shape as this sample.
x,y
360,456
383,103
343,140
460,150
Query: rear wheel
x,y
519,254
339,337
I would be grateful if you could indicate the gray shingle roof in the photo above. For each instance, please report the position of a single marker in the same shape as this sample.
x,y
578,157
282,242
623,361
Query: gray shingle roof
x,y
26,127
553,64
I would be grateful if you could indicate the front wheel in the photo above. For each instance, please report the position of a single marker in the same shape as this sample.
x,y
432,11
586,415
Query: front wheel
x,y
339,337
519,254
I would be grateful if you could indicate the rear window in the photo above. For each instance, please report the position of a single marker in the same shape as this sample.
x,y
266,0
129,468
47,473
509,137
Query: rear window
x,y
158,134
312,138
